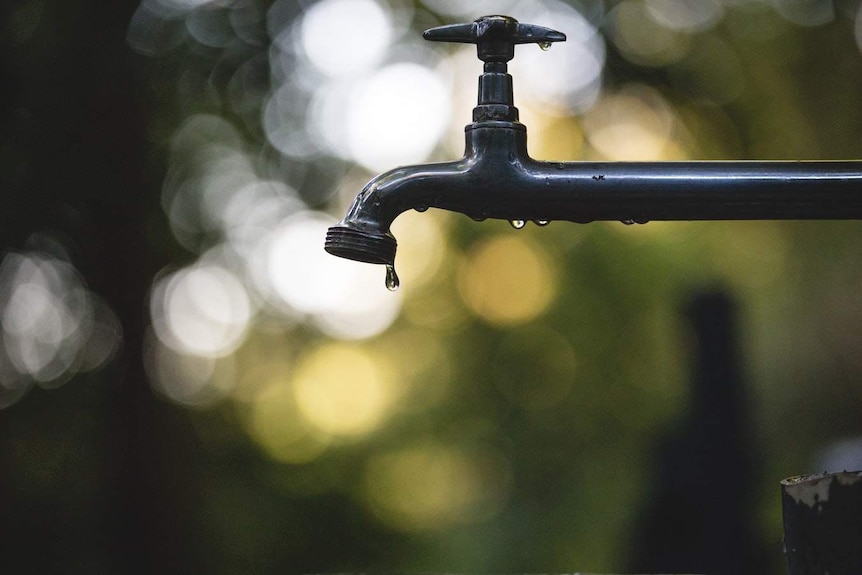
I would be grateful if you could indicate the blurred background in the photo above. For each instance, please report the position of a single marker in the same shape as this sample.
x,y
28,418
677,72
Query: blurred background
x,y
189,383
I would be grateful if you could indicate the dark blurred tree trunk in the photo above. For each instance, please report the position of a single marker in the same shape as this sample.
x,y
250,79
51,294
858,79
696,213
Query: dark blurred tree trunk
x,y
700,515
75,159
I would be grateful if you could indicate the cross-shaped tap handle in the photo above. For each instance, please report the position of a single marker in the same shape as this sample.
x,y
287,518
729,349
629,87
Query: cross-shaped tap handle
x,y
495,36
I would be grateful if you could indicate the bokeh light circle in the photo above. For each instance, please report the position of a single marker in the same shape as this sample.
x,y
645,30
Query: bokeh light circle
x,y
431,486
568,75
345,299
202,310
507,280
279,428
342,390
345,37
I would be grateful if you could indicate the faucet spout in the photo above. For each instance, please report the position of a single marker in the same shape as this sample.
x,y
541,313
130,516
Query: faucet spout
x,y
363,235
484,183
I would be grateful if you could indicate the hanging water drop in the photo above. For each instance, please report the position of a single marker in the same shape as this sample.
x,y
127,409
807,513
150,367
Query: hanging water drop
x,y
545,46
392,281
421,208
518,224
628,222
541,222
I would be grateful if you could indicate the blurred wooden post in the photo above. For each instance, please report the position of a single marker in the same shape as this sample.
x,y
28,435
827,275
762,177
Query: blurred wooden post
x,y
823,523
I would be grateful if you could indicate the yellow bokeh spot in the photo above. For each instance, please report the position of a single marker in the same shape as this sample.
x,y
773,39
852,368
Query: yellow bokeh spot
x,y
432,486
635,124
507,280
280,430
342,390
421,245
553,136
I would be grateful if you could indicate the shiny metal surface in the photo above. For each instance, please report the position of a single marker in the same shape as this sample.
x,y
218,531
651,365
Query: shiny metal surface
x,y
496,178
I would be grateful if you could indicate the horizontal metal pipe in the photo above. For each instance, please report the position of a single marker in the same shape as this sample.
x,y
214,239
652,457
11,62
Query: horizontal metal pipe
x,y
496,178
690,191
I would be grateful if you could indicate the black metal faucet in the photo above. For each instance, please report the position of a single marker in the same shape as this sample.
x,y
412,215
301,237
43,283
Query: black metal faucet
x,y
496,178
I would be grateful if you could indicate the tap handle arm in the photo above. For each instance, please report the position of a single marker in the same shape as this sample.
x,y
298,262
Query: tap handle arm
x,y
495,36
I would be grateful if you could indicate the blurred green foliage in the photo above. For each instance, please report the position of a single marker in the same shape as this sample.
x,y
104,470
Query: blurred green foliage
x,y
508,447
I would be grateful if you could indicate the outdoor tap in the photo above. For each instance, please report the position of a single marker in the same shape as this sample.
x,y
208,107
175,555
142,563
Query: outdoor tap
x,y
496,178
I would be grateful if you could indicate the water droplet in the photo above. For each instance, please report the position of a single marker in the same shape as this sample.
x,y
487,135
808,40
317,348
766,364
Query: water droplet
x,y
541,222
628,222
421,208
518,224
478,218
545,46
392,281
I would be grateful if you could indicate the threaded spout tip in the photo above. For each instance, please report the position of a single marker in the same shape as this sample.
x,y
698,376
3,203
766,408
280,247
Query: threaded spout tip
x,y
361,245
